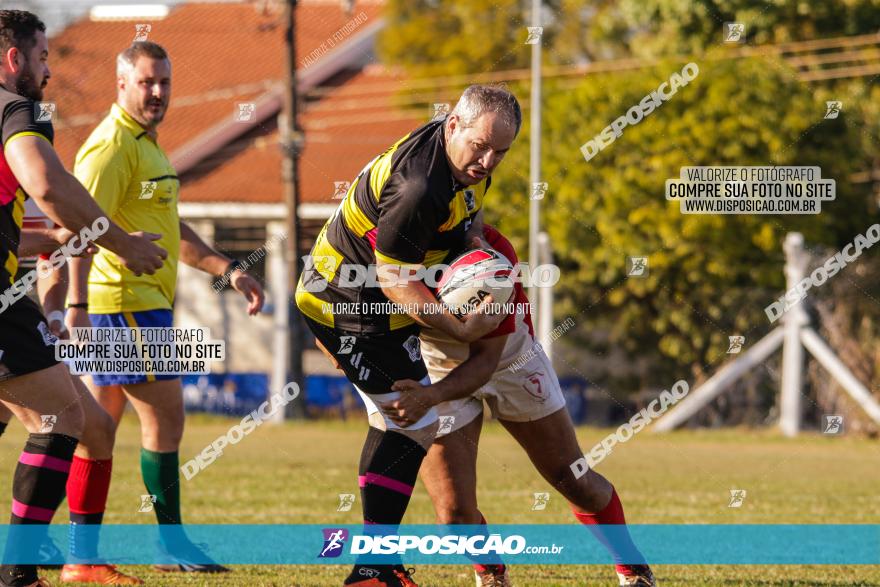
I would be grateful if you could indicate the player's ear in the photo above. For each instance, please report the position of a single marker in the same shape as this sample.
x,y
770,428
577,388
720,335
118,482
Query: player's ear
x,y
10,59
451,123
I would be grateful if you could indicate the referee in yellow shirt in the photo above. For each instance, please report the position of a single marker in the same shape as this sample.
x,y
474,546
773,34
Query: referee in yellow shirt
x,y
127,172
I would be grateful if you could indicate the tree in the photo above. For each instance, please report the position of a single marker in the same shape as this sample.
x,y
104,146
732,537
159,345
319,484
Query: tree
x,y
657,28
454,37
710,276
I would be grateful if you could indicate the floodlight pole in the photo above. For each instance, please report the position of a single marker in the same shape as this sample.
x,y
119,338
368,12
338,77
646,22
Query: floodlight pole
x,y
535,161
291,143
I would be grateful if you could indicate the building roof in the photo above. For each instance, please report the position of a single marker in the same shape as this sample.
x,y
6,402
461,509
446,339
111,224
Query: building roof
x,y
348,126
224,54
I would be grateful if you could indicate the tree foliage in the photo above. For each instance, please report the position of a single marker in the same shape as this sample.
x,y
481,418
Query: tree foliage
x,y
653,28
454,37
710,276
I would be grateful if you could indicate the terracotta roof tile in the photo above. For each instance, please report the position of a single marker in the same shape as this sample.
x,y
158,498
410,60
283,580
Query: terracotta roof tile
x,y
222,54
340,139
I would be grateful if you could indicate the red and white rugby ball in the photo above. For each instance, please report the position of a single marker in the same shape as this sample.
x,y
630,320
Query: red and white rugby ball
x,y
473,276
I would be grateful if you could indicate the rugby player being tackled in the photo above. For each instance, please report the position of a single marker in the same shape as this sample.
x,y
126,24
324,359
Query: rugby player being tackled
x,y
411,206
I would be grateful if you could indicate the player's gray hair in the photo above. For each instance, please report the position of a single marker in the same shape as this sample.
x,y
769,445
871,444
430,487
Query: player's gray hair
x,y
480,99
128,57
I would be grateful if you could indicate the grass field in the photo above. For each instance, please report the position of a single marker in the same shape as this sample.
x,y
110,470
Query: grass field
x,y
292,474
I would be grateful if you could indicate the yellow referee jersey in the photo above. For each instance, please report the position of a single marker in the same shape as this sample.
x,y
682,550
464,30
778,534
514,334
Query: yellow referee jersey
x,y
133,181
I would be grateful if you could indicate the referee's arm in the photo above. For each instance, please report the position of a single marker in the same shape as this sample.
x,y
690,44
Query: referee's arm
x,y
197,253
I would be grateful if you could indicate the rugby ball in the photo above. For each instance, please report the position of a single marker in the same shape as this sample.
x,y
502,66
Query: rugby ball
x,y
473,276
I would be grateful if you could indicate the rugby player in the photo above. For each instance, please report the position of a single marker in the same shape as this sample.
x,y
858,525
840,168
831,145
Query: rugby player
x,y
32,382
528,402
413,205
130,177
39,237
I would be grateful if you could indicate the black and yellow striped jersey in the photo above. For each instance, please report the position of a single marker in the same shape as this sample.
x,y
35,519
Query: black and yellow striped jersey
x,y
19,117
404,207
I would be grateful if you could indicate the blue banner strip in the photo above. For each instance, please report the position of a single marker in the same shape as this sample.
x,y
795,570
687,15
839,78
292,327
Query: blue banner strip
x,y
681,544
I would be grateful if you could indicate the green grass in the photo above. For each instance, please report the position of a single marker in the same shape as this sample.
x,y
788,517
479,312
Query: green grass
x,y
292,474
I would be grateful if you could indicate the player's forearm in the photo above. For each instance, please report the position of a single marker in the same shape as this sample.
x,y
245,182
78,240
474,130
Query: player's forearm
x,y
59,194
197,253
37,241
79,279
462,381
421,304
68,203
52,290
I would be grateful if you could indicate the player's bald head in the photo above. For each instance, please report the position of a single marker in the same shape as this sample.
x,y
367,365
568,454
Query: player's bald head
x,y
478,100
480,130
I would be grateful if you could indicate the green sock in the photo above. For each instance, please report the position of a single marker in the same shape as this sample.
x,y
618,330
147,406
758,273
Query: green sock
x,y
162,478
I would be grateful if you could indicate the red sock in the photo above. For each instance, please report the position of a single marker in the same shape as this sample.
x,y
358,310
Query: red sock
x,y
616,540
87,489
484,568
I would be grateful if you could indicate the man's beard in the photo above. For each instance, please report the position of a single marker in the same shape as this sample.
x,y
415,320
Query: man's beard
x,y
27,85
154,118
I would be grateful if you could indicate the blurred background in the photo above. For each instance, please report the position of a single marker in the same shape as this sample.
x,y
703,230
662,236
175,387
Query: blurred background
x,y
367,73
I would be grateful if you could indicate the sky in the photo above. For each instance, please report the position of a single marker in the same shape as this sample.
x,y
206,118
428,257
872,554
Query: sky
x,y
59,13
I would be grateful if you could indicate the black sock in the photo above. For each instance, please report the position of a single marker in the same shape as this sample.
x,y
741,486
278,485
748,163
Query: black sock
x,y
38,488
372,442
389,478
374,439
388,471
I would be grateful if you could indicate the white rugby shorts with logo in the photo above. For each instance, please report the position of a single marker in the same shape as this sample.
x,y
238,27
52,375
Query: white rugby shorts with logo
x,y
523,388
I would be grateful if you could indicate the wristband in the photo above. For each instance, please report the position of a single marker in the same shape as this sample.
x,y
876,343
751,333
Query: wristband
x,y
82,305
233,265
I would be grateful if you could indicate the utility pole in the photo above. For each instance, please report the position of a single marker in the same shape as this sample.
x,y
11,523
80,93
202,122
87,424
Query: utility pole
x,y
535,160
291,143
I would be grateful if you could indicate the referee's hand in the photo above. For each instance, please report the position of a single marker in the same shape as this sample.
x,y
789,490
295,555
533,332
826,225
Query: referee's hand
x,y
77,318
251,289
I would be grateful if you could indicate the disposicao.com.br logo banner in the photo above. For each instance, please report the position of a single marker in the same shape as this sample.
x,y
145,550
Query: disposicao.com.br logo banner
x,y
727,544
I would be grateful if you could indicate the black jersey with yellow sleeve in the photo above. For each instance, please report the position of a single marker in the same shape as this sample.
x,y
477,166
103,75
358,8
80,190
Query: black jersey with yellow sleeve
x,y
404,208
18,118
